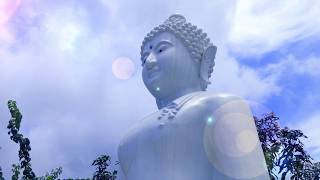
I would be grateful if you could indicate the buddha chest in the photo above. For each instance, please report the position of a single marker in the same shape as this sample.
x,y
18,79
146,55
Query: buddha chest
x,y
193,140
167,144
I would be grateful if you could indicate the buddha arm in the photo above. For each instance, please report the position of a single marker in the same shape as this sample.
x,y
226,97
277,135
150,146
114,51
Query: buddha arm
x,y
231,141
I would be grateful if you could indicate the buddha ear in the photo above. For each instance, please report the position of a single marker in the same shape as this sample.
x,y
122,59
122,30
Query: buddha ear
x,y
207,62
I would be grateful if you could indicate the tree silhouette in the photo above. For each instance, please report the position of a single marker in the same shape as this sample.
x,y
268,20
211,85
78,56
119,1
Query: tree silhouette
x,y
15,171
101,162
1,174
14,127
283,148
102,173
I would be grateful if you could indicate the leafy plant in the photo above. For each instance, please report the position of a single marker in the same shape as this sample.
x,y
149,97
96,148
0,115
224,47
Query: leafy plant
x,y
102,173
16,171
54,174
1,174
283,148
269,135
14,127
293,157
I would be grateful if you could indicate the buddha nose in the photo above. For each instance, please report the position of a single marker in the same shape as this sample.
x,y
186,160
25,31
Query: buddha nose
x,y
151,61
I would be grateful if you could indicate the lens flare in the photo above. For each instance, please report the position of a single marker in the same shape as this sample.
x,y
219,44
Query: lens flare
x,y
7,9
232,141
246,141
123,68
210,120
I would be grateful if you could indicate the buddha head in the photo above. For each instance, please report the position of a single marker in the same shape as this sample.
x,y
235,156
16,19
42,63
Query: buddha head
x,y
177,58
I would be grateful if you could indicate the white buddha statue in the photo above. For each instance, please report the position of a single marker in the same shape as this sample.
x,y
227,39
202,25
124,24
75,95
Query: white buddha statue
x,y
195,135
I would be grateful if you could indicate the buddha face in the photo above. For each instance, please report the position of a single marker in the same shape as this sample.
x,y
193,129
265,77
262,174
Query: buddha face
x,y
168,68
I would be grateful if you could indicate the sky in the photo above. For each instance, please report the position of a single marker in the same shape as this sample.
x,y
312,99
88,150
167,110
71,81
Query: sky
x,y
74,69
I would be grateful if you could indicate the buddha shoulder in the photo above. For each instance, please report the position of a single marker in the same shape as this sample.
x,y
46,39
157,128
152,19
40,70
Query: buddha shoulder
x,y
214,101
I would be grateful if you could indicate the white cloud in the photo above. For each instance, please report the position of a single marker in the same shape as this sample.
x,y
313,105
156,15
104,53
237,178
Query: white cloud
x,y
263,26
67,35
6,39
229,76
60,72
291,66
63,27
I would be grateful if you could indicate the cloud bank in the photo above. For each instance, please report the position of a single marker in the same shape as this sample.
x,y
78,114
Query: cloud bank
x,y
56,60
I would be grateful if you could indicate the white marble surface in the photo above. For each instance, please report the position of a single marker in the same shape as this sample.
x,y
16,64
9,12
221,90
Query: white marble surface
x,y
211,137
195,135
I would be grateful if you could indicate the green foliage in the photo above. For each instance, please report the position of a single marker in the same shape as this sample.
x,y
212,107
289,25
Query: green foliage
x,y
16,171
102,173
1,174
268,132
283,148
53,175
293,157
14,127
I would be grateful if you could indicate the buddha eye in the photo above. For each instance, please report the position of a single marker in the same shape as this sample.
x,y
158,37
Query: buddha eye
x,y
162,48
144,58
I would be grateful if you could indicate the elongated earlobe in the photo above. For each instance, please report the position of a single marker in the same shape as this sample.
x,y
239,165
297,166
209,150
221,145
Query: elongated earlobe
x,y
207,63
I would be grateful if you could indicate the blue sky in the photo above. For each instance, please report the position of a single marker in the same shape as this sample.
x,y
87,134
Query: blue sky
x,y
74,69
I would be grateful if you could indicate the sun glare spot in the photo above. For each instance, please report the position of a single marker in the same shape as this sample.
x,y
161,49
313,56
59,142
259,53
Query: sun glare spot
x,y
123,68
246,141
209,120
68,36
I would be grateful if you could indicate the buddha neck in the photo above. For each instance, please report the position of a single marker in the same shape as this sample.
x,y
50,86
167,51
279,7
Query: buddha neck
x,y
165,101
